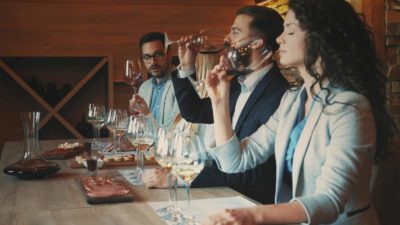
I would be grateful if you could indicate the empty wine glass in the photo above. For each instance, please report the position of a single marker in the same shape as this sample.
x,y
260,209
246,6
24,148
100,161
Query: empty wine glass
x,y
117,122
189,160
140,133
95,116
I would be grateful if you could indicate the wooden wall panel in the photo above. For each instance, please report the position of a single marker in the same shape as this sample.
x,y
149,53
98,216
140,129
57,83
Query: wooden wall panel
x,y
106,27
74,28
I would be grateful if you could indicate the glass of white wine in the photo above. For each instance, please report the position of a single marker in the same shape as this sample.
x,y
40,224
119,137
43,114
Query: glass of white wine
x,y
117,122
164,155
95,116
189,160
140,133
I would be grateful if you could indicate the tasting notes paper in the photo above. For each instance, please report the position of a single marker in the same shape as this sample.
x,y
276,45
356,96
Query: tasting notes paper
x,y
202,208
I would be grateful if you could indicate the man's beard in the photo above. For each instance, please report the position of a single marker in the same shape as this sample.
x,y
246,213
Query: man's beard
x,y
162,73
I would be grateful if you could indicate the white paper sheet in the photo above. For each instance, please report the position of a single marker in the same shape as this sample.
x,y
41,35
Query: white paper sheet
x,y
202,208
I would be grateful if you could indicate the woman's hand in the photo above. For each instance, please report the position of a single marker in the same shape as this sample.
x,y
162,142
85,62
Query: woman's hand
x,y
156,178
187,52
138,105
244,216
217,83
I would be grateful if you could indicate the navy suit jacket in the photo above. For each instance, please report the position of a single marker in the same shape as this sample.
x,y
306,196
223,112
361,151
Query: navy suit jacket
x,y
257,183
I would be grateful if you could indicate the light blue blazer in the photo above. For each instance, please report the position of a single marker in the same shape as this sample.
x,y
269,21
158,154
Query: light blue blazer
x,y
169,107
332,161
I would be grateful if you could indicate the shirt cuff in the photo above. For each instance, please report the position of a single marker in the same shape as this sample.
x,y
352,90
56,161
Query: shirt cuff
x,y
185,73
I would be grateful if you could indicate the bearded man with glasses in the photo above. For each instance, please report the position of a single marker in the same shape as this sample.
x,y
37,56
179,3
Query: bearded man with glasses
x,y
156,95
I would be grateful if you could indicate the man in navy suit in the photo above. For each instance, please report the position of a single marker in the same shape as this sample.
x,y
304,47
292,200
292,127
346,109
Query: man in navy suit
x,y
254,97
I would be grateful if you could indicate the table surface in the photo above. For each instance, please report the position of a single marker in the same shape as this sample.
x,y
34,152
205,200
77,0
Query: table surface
x,y
59,198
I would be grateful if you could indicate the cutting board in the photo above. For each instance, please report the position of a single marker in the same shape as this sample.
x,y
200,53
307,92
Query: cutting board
x,y
73,164
107,188
60,154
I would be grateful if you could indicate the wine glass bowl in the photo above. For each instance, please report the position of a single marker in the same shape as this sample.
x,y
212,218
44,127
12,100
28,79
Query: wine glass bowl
x,y
208,41
133,75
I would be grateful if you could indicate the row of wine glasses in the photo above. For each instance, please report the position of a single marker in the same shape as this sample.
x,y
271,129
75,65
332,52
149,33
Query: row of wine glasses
x,y
180,153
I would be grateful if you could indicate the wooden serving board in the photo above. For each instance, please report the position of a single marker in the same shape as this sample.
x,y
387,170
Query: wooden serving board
x,y
61,154
112,197
75,165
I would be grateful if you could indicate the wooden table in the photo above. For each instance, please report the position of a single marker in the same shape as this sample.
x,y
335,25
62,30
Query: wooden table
x,y
59,199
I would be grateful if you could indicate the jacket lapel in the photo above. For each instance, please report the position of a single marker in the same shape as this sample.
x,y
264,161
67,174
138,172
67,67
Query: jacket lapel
x,y
235,92
289,115
305,137
148,92
255,95
164,100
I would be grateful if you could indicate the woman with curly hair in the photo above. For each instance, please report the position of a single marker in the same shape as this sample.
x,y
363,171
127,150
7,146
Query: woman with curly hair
x,y
326,134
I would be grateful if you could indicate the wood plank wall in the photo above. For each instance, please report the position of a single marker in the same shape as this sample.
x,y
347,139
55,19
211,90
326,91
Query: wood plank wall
x,y
103,27
51,28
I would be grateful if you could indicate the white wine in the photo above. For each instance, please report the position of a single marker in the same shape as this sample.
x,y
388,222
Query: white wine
x,y
140,143
165,163
187,172
97,122
119,131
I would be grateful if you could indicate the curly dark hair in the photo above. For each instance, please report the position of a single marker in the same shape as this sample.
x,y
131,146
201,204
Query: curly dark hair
x,y
345,44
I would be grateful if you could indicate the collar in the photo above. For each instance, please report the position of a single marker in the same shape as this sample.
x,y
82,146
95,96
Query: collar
x,y
250,81
161,82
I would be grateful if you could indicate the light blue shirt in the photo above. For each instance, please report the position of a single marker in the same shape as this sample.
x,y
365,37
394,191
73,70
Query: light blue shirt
x,y
296,132
158,89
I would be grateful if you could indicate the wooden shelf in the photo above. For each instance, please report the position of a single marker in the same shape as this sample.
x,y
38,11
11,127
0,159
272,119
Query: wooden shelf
x,y
55,111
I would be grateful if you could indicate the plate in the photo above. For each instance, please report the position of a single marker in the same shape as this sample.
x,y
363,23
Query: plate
x,y
32,169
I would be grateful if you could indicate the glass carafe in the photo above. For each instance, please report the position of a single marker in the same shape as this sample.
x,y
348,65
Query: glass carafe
x,y
32,165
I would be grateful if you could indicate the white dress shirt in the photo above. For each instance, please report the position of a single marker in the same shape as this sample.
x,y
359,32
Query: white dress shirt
x,y
248,83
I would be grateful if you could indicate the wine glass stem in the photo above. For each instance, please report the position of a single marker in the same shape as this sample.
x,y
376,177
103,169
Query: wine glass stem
x,y
175,182
97,136
94,135
115,142
141,162
118,147
187,184
170,191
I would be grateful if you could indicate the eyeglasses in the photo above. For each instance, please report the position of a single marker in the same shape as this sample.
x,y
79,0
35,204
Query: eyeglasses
x,y
155,56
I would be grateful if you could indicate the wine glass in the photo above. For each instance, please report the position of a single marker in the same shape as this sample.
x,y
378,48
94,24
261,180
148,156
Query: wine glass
x,y
206,40
189,160
141,134
163,154
117,122
95,116
133,75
